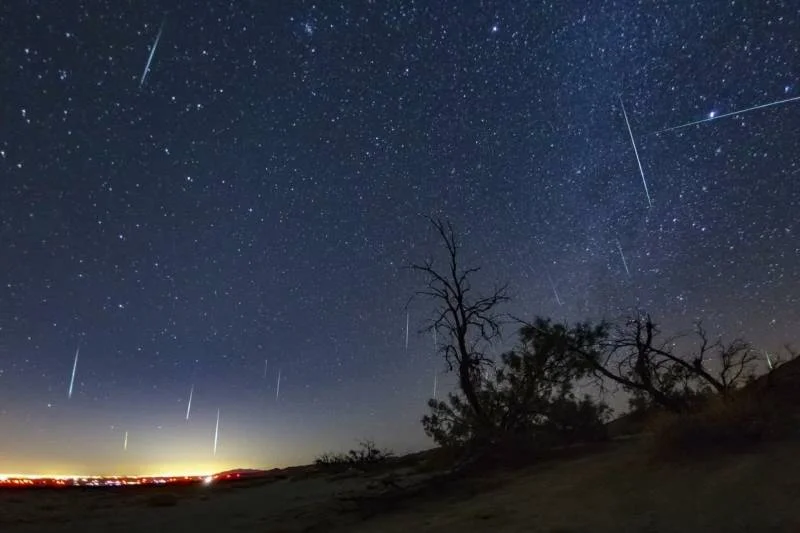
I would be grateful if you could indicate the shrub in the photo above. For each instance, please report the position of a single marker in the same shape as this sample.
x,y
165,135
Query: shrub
x,y
529,404
330,458
366,453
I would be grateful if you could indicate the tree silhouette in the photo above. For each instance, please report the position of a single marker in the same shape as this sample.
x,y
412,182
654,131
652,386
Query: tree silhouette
x,y
529,403
636,356
466,322
535,387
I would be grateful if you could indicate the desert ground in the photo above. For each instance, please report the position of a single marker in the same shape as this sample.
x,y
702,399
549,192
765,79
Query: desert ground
x,y
614,487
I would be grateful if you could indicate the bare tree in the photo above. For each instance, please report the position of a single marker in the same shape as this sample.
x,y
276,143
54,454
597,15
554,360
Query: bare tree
x,y
466,321
736,359
637,357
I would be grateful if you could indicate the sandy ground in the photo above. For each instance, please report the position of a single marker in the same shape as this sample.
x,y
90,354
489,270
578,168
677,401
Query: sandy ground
x,y
615,490
622,491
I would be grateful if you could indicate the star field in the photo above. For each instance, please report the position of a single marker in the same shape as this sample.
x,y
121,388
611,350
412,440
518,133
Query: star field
x,y
256,192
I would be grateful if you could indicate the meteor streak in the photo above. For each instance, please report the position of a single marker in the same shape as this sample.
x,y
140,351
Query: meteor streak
x,y
216,434
636,152
189,406
716,117
408,319
74,369
125,443
265,368
625,263
769,361
555,292
278,386
152,53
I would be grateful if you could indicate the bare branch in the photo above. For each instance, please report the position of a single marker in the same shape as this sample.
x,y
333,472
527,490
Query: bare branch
x,y
467,322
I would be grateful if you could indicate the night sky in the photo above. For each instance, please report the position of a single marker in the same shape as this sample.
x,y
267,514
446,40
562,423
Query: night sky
x,y
256,194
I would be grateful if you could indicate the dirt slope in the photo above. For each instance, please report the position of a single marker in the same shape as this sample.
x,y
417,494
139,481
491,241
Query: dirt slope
x,y
620,490
616,489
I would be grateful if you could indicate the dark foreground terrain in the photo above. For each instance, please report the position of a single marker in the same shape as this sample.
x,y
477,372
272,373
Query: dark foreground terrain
x,y
611,488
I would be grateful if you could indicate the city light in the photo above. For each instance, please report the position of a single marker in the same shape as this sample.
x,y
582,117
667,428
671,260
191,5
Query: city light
x,y
22,480
58,481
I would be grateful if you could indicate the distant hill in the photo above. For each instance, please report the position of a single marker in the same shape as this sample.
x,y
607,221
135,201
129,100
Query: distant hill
x,y
781,384
784,379
245,472
251,473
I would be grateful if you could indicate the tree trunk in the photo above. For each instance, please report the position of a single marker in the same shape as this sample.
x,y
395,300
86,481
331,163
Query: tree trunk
x,y
468,387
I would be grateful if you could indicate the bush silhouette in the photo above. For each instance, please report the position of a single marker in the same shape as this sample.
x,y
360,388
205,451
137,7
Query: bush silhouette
x,y
530,401
367,453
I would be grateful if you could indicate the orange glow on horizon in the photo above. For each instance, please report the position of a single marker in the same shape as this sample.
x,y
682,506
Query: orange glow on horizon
x,y
154,471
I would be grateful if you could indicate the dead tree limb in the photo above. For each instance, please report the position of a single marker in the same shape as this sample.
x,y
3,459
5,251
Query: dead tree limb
x,y
466,322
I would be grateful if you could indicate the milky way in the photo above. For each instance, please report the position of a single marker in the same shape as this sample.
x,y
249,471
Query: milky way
x,y
258,195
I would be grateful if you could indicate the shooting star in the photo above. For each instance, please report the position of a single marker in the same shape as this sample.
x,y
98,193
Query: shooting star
x,y
624,262
717,117
125,443
636,152
216,434
74,369
189,406
408,320
278,386
152,53
769,361
265,368
555,292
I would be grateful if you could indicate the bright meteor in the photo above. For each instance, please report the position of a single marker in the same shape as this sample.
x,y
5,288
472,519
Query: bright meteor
x,y
624,262
189,406
152,53
636,153
717,117
216,434
74,369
